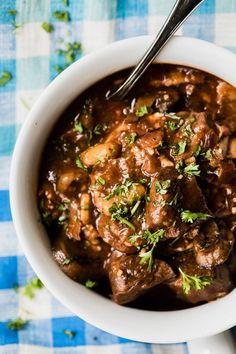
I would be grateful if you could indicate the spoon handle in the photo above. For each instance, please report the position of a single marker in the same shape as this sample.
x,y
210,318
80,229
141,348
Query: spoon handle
x,y
179,13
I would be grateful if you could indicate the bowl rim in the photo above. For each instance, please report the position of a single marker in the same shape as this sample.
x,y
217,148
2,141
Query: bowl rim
x,y
140,325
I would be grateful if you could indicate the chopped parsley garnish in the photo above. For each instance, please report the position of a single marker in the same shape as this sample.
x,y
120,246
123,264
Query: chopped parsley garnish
x,y
78,127
208,154
188,216
172,126
195,282
135,207
99,128
181,147
151,239
62,207
101,181
197,151
62,16
69,333
91,283
130,139
58,68
192,169
67,261
162,187
62,218
12,12
80,164
179,165
47,27
121,190
188,130
121,212
29,289
16,287
6,76
141,111
17,324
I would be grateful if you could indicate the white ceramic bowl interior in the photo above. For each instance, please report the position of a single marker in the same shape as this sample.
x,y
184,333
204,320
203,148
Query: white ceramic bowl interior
x,y
146,326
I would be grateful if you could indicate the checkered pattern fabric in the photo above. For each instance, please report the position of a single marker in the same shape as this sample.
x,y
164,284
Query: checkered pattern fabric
x,y
29,55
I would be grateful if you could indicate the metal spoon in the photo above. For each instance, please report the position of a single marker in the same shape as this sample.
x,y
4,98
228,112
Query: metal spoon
x,y
178,15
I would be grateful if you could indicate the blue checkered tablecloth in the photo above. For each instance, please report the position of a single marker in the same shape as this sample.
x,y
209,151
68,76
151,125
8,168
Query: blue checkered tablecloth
x,y
29,54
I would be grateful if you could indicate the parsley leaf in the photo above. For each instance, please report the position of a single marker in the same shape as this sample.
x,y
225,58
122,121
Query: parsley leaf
x,y
90,284
78,127
141,111
62,16
188,130
208,154
194,281
67,261
181,147
188,216
151,239
197,150
6,76
29,289
17,324
47,27
80,164
69,333
162,187
121,212
99,128
101,181
130,139
192,169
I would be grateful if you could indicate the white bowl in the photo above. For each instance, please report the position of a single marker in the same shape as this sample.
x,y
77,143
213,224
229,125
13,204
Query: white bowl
x,y
146,326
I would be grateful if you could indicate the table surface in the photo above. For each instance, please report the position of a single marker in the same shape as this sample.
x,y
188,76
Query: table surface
x,y
29,54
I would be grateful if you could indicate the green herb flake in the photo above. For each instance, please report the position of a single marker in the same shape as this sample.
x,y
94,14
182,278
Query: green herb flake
x,y
208,154
197,151
101,181
121,212
141,111
47,27
62,16
62,218
151,239
58,68
162,187
5,78
90,284
16,287
29,289
130,139
195,282
172,126
99,128
179,165
188,130
80,164
12,12
190,217
78,127
69,333
67,261
17,324
181,147
66,2
192,170
62,207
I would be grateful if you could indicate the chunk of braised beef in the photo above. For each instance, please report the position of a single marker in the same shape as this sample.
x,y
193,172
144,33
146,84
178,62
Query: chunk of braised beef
x,y
226,100
161,208
129,279
221,284
116,234
80,260
212,245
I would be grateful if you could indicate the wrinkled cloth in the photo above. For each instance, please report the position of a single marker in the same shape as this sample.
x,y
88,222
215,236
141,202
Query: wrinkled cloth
x,y
29,54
